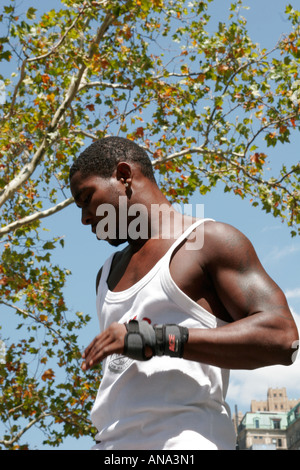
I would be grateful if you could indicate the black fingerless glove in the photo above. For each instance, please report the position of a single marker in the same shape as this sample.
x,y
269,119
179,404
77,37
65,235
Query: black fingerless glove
x,y
163,340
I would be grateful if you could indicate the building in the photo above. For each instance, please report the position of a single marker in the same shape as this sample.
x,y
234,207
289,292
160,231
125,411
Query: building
x,y
277,400
293,428
236,419
263,431
272,424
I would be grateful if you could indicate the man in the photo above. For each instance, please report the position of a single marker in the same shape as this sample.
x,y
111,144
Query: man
x,y
175,314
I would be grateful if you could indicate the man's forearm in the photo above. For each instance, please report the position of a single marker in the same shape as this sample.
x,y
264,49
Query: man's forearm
x,y
248,343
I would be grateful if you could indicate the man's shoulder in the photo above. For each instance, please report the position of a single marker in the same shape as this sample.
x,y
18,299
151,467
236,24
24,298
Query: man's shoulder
x,y
224,241
216,232
216,229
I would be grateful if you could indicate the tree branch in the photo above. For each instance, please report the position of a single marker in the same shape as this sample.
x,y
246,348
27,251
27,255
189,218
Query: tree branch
x,y
114,86
233,163
61,40
41,57
29,168
200,149
35,216
30,315
25,173
20,433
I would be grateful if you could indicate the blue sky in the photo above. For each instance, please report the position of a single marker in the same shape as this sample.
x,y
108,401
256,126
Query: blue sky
x,y
278,252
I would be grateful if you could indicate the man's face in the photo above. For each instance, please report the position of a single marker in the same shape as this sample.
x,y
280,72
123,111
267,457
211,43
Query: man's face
x,y
90,193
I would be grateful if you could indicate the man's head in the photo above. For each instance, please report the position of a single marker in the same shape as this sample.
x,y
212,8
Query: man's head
x,y
102,157
111,170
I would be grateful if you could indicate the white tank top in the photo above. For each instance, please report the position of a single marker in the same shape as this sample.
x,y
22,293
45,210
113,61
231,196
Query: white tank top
x,y
164,403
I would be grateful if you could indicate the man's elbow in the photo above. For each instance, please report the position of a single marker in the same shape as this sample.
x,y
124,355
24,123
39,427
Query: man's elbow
x,y
289,346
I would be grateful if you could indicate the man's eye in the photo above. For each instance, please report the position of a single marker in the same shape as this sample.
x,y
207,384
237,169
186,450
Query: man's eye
x,y
87,199
83,201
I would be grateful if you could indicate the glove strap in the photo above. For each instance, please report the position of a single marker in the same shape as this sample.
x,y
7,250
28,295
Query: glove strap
x,y
170,340
139,335
164,340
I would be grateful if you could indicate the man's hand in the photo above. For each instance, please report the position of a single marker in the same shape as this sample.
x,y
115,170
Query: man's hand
x,y
110,341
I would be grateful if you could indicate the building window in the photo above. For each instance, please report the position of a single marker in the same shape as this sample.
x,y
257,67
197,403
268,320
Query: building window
x,y
256,423
276,423
279,443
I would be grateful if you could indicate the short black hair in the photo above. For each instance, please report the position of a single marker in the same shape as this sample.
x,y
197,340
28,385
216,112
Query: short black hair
x,y
103,155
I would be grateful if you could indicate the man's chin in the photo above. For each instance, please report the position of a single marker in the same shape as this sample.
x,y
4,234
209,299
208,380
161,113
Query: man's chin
x,y
113,241
116,242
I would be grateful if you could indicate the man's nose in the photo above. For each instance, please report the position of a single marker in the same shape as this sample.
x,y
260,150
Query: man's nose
x,y
86,216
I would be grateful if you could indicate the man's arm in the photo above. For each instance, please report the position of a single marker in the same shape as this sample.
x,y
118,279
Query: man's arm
x,y
263,331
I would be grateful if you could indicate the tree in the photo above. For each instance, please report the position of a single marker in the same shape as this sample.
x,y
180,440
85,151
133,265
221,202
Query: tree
x,y
207,105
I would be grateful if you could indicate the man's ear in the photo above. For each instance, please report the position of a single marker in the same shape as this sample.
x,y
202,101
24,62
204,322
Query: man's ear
x,y
124,173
